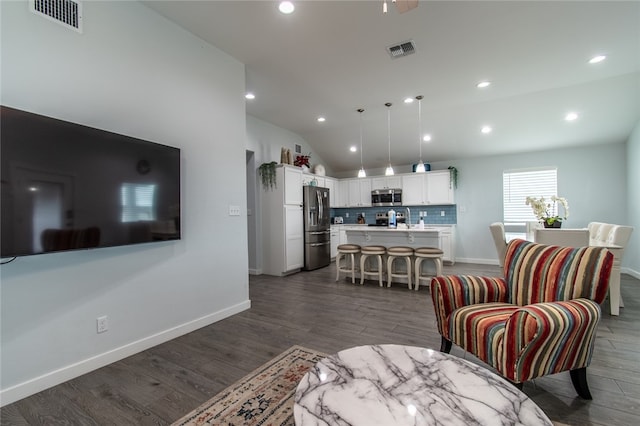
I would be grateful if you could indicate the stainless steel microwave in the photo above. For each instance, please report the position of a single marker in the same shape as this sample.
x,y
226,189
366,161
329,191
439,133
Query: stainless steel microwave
x,y
386,197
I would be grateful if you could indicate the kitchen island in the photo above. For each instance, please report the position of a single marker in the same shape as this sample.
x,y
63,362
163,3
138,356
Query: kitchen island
x,y
431,236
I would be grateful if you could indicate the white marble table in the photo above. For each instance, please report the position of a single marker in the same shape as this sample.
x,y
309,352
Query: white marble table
x,y
391,385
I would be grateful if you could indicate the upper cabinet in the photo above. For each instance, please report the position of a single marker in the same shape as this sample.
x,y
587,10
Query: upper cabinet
x,y
386,182
427,188
342,193
359,192
292,184
439,188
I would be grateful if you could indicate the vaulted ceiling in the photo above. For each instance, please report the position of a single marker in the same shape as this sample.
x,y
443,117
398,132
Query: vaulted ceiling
x,y
330,58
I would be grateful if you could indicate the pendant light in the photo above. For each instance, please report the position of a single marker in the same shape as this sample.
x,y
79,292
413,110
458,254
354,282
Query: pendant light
x,y
389,170
361,172
420,167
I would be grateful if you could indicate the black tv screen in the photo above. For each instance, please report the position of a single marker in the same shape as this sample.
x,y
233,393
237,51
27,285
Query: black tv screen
x,y
67,186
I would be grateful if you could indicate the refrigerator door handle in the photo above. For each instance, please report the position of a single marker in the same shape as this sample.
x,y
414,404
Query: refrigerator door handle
x,y
319,232
320,244
320,207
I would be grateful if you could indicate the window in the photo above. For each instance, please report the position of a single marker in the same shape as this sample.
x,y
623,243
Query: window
x,y
517,185
138,202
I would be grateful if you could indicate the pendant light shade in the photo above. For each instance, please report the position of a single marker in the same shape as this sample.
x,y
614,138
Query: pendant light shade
x,y
420,167
361,172
389,170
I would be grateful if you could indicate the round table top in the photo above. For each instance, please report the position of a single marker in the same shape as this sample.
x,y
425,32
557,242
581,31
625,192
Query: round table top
x,y
390,385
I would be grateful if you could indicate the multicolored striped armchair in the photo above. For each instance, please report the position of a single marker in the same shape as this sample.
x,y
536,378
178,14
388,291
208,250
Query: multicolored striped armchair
x,y
540,319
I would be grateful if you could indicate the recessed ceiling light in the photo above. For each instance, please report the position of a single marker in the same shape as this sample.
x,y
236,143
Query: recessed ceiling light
x,y
286,7
597,59
486,129
427,138
353,149
408,100
483,84
321,119
572,116
250,96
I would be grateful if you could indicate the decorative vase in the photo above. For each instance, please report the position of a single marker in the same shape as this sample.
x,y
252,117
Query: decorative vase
x,y
555,224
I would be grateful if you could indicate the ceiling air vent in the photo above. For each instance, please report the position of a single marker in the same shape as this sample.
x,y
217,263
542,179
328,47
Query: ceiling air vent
x,y
65,12
402,49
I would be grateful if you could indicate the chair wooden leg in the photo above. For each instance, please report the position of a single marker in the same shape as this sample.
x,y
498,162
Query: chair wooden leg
x,y
579,380
445,345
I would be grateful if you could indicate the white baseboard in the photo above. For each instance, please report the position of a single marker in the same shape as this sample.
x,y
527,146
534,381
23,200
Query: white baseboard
x,y
53,378
255,271
478,261
635,274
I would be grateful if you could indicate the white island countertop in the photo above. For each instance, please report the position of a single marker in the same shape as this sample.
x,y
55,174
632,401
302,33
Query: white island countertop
x,y
367,228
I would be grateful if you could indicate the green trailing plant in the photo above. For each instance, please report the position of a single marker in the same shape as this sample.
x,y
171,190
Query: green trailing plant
x,y
453,177
267,173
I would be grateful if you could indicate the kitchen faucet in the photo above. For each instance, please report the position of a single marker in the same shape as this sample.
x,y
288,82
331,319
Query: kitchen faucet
x,y
408,218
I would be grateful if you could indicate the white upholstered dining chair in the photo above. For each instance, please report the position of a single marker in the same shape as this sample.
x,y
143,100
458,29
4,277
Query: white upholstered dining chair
x,y
500,240
615,238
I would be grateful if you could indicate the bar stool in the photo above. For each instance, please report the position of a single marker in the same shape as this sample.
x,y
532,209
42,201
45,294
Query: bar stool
x,y
398,252
422,253
349,267
367,251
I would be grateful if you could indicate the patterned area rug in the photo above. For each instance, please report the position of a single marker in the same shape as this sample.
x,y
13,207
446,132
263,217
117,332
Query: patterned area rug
x,y
263,397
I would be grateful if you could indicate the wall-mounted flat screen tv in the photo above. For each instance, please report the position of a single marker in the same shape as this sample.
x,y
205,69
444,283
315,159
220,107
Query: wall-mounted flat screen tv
x,y
67,186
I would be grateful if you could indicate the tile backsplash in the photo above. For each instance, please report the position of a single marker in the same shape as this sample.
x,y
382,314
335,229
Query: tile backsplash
x,y
433,214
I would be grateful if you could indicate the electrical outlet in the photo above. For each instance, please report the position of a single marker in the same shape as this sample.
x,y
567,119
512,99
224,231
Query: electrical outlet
x,y
346,214
102,324
441,212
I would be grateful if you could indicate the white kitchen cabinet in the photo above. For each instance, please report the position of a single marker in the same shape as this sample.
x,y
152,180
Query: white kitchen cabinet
x,y
439,188
431,188
413,190
386,182
342,193
307,178
289,179
335,240
359,192
448,243
282,227
294,237
330,183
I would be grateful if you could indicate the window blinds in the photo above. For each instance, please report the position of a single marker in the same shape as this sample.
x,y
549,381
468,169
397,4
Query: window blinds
x,y
517,185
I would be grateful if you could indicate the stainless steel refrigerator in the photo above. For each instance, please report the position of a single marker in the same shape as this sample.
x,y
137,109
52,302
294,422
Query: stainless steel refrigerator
x,y
317,233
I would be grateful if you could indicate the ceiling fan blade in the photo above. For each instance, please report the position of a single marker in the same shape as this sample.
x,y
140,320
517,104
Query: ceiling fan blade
x,y
405,5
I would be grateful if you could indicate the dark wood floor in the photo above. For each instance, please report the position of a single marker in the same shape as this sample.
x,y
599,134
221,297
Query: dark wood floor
x,y
310,309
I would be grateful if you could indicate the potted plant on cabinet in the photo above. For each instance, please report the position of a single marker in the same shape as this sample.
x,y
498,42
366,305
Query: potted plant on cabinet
x,y
267,173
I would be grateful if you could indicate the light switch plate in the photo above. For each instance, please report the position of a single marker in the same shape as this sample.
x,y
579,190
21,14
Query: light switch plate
x,y
234,210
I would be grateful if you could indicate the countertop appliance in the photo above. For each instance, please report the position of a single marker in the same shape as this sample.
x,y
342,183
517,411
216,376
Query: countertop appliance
x,y
317,227
338,220
386,197
382,219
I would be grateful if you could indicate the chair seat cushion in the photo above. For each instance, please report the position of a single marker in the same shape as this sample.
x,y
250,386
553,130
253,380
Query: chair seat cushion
x,y
400,251
349,248
428,251
479,329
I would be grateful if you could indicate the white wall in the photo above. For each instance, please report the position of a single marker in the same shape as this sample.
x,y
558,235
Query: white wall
x,y
130,72
632,253
592,179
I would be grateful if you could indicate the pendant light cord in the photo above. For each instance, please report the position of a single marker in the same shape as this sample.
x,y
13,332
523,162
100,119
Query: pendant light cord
x,y
388,105
361,163
419,98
